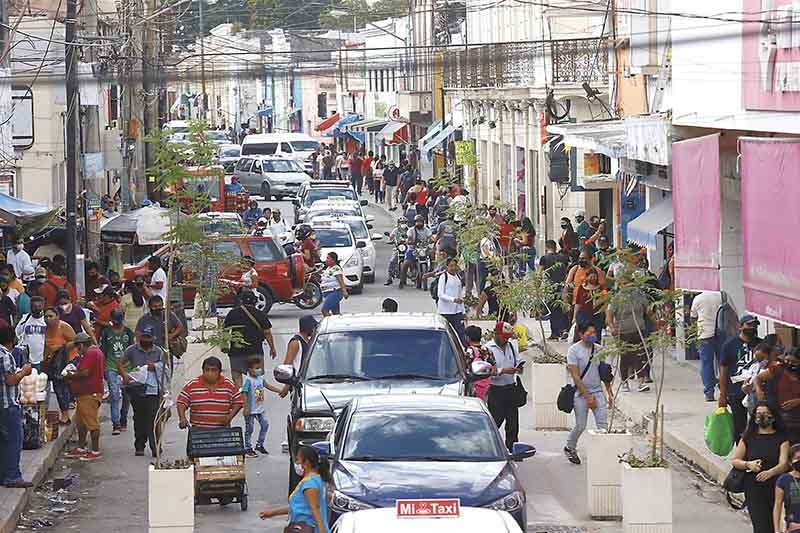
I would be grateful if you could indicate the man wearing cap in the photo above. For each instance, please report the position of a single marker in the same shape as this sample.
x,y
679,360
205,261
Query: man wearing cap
x,y
18,258
86,384
144,397
736,357
103,305
582,228
114,340
255,328
501,392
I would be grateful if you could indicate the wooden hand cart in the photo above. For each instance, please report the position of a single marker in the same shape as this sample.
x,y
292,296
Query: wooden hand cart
x,y
219,472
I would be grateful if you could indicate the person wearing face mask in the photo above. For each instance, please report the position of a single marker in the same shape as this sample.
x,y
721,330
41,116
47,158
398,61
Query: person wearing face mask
x,y
508,364
94,280
784,381
30,332
582,227
8,310
58,351
736,358
578,274
74,315
18,258
307,503
585,372
103,305
763,451
113,342
253,388
144,398
787,495
568,239
211,398
155,320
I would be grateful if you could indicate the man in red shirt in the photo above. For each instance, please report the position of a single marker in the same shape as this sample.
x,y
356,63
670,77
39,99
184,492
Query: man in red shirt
x,y
56,281
366,169
212,398
86,384
104,303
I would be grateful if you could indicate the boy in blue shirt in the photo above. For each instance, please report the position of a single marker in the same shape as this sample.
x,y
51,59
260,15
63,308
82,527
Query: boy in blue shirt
x,y
253,386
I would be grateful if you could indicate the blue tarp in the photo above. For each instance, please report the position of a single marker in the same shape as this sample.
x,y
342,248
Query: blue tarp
x,y
338,130
266,112
357,136
33,217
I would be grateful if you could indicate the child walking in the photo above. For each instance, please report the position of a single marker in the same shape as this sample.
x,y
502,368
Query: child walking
x,y
253,387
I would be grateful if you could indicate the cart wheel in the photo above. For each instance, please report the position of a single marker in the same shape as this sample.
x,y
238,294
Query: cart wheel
x,y
243,502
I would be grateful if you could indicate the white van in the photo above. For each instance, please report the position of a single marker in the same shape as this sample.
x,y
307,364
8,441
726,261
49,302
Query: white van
x,y
177,126
298,146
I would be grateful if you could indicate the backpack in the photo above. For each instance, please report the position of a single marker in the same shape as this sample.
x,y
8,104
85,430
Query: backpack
x,y
726,323
663,280
433,287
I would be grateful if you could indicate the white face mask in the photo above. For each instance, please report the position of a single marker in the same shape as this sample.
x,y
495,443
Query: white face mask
x,y
299,470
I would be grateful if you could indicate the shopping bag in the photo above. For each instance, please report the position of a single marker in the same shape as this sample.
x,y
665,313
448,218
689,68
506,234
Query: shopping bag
x,y
718,431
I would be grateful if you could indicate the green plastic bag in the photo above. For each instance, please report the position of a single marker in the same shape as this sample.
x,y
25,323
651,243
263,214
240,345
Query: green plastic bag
x,y
719,432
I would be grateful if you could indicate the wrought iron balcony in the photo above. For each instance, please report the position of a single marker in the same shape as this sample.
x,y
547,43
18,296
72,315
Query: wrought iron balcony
x,y
522,65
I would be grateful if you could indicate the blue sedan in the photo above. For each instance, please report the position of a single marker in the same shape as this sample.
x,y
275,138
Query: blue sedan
x,y
391,447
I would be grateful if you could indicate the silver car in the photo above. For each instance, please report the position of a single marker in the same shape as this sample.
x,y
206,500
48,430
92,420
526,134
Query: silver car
x,y
270,176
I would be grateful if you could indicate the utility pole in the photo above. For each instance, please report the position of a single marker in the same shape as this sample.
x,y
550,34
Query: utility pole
x,y
203,60
71,137
150,89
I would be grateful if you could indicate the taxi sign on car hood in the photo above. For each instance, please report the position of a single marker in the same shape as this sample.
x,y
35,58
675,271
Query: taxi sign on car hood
x,y
438,508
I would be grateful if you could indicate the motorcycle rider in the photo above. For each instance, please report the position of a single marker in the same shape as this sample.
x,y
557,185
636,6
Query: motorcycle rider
x,y
262,227
418,235
309,246
396,237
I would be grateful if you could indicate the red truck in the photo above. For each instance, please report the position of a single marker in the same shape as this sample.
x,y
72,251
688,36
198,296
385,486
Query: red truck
x,y
282,278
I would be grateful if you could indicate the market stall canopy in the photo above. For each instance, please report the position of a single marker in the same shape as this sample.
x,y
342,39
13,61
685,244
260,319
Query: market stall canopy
x,y
394,133
328,123
644,229
141,226
29,217
605,137
438,139
433,129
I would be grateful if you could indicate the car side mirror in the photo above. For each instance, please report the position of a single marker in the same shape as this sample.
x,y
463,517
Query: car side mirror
x,y
323,448
369,226
377,236
369,218
361,244
363,202
520,451
295,201
285,374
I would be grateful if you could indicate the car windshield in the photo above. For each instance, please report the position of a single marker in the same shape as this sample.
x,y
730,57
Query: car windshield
x,y
304,146
226,226
216,135
384,354
282,165
323,194
333,238
265,250
358,228
230,151
422,436
259,148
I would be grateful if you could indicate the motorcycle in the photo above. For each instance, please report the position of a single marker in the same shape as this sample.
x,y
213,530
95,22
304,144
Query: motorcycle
x,y
420,265
311,296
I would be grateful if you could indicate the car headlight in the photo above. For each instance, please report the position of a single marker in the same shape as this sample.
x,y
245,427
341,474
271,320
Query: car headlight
x,y
353,261
343,503
314,424
510,502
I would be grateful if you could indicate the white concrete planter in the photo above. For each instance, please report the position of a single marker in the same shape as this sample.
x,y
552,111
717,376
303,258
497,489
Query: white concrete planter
x,y
546,381
646,500
170,500
604,472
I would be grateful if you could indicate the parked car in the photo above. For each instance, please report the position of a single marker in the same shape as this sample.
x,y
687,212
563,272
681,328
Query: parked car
x,y
281,277
270,176
297,146
357,355
316,190
336,206
227,156
360,230
417,446
468,520
339,239
217,137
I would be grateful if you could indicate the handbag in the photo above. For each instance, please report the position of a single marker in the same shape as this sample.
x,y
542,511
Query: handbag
x,y
178,346
734,484
520,395
566,396
298,527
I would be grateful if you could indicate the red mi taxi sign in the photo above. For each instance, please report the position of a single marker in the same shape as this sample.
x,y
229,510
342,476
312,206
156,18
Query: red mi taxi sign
x,y
442,508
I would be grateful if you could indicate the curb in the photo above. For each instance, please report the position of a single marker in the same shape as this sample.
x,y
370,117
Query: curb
x,y
14,501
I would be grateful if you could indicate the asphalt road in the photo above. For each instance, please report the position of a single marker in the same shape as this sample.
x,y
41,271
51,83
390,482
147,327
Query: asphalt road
x,y
111,495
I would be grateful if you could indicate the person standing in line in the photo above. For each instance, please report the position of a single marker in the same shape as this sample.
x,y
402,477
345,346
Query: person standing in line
x,y
704,310
763,451
86,385
451,298
334,289
74,315
253,386
144,397
18,258
31,330
58,351
736,358
554,266
158,279
784,382
589,393
114,341
787,495
11,412
508,364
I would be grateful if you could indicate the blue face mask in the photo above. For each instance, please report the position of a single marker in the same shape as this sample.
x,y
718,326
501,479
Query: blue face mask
x,y
591,339
258,372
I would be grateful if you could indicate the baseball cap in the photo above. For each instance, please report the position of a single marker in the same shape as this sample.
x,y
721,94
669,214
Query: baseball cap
x,y
147,331
41,272
504,329
117,316
82,338
747,318
580,213
308,323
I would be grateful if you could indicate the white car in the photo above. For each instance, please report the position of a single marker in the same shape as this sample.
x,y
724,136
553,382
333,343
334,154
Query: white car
x,y
360,231
469,520
339,238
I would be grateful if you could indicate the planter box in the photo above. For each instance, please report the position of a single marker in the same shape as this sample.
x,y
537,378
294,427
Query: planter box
x,y
170,500
546,381
604,472
646,500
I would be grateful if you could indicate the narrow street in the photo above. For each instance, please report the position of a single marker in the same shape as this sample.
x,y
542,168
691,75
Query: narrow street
x,y
111,495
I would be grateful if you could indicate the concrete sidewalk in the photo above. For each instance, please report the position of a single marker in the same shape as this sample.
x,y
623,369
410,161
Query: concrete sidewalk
x,y
34,465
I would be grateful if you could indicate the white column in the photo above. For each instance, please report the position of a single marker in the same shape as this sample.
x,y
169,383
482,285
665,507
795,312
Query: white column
x,y
513,160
